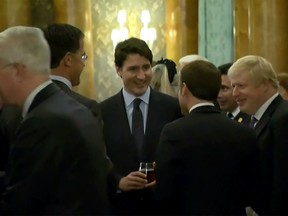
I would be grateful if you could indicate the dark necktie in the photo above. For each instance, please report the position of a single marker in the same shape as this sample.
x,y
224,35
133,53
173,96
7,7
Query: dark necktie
x,y
137,125
229,115
253,122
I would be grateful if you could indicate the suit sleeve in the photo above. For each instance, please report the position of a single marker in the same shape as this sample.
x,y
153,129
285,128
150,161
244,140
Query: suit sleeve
x,y
279,198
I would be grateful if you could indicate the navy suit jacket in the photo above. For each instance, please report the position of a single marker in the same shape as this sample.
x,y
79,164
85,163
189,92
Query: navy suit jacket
x,y
118,138
92,105
58,163
206,165
271,132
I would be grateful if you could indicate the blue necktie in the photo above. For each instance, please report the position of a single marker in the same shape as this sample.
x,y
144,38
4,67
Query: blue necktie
x,y
253,122
137,125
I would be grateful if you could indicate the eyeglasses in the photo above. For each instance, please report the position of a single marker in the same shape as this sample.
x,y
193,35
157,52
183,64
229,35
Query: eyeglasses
x,y
84,57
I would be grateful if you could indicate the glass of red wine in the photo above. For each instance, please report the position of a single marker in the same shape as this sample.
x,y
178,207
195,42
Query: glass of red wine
x,y
148,169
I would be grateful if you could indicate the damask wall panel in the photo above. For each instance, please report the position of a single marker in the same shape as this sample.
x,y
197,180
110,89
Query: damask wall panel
x,y
104,16
216,41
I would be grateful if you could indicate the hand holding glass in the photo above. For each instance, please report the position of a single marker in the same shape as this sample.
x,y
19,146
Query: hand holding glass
x,y
148,169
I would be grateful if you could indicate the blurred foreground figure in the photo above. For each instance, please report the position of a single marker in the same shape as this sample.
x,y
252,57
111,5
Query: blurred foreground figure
x,y
57,163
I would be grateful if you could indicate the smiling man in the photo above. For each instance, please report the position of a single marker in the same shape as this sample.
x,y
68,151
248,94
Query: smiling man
x,y
128,145
255,88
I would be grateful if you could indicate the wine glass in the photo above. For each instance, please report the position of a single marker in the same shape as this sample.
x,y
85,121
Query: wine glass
x,y
148,169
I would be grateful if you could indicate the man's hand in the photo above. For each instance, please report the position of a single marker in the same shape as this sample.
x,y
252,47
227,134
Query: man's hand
x,y
134,181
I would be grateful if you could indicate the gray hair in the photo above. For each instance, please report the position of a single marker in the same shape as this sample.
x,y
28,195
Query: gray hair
x,y
27,46
191,58
258,67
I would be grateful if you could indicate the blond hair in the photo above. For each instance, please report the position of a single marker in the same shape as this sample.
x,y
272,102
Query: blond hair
x,y
258,67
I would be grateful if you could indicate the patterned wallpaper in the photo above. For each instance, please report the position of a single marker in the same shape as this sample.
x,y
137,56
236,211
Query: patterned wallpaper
x,y
104,16
216,30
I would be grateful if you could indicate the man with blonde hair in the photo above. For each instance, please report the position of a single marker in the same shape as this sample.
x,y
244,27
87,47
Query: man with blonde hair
x,y
57,163
255,88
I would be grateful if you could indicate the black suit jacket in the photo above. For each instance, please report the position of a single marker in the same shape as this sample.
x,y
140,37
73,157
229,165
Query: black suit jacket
x,y
242,118
10,117
118,138
271,132
123,151
57,163
92,105
206,165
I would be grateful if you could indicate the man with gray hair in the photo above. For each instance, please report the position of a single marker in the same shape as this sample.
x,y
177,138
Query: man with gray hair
x,y
255,88
190,58
57,163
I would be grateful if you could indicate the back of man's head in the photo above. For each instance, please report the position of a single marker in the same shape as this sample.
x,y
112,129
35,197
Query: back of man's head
x,y
131,46
202,78
27,46
62,38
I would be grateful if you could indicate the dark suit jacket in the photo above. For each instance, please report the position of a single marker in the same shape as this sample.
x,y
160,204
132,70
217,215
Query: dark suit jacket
x,y
271,132
57,163
10,117
242,118
206,165
120,146
92,105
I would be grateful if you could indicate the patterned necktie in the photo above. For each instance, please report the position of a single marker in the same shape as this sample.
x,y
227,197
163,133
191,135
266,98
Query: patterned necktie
x,y
137,125
253,122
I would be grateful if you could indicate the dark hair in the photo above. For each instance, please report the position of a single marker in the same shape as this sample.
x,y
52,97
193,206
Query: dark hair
x,y
62,38
224,68
131,46
171,68
202,79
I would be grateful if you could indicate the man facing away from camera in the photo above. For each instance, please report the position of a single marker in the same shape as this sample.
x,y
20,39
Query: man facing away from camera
x,y
206,163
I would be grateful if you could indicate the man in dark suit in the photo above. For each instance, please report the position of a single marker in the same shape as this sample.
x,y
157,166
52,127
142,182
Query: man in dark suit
x,y
57,163
133,60
10,117
255,88
226,99
68,58
203,167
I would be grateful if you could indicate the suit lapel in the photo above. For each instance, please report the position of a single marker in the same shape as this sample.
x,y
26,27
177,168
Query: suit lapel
x,y
267,115
43,94
62,85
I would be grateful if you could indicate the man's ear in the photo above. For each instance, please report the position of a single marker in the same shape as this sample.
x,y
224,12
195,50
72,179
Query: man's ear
x,y
183,89
119,71
67,59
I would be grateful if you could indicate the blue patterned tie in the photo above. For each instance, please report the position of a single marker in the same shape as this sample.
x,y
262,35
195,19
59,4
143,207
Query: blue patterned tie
x,y
253,122
137,125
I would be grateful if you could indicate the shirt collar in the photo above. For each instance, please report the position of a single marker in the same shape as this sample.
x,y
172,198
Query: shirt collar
x,y
31,97
235,112
263,108
201,104
129,98
62,79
